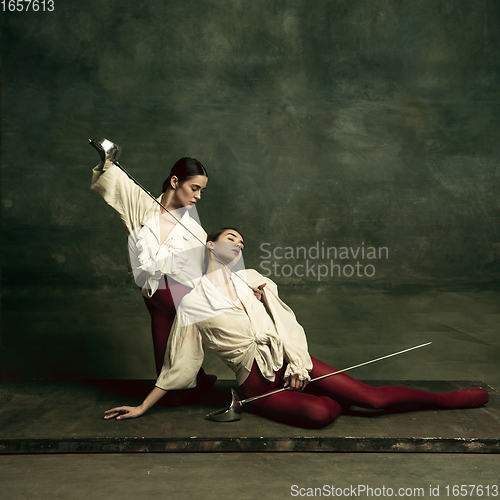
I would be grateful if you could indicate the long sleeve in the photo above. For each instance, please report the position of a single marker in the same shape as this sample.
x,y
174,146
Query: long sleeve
x,y
294,339
121,193
179,256
183,357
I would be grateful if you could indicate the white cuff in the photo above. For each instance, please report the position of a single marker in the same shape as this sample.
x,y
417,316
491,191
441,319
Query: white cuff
x,y
295,370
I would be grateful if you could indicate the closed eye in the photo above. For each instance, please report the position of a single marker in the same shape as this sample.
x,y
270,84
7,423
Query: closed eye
x,y
195,187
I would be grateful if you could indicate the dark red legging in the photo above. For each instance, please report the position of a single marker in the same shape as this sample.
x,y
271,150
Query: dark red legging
x,y
322,401
162,309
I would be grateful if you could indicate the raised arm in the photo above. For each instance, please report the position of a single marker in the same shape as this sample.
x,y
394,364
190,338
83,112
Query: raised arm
x,y
121,193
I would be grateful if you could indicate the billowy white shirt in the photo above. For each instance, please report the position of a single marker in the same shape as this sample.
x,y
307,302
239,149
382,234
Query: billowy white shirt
x,y
205,317
180,256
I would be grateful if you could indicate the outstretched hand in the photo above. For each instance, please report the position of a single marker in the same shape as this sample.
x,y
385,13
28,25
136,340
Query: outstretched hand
x,y
123,412
295,383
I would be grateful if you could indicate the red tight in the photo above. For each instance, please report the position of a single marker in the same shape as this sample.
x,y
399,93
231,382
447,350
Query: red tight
x,y
162,308
323,401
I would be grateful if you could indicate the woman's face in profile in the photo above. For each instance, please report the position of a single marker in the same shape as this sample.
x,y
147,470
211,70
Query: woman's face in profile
x,y
189,192
229,246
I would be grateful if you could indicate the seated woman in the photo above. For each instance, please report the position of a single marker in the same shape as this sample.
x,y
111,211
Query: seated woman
x,y
261,341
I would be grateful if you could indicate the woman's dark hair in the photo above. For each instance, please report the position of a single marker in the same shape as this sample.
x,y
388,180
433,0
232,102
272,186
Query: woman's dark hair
x,y
183,169
214,236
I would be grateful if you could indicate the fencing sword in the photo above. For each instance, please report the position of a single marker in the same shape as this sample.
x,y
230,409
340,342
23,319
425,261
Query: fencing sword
x,y
235,409
110,151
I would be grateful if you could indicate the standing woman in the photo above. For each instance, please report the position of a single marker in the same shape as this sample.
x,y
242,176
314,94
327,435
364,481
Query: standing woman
x,y
166,249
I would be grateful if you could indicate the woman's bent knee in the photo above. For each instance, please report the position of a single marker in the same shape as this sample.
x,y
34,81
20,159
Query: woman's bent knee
x,y
323,413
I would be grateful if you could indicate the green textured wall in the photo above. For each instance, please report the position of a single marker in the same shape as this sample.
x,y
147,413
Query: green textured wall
x,y
339,123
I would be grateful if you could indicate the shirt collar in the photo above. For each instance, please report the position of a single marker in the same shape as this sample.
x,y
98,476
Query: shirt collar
x,y
216,299
153,223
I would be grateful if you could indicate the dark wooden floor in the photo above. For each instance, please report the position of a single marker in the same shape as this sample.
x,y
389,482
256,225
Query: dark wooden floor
x,y
44,417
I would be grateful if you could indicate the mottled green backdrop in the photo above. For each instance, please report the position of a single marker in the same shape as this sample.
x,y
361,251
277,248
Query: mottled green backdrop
x,y
345,124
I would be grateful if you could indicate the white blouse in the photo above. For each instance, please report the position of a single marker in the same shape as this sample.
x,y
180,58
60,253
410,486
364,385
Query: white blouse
x,y
237,335
180,256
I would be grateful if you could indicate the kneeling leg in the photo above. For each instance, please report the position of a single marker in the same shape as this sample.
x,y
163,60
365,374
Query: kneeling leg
x,y
298,409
